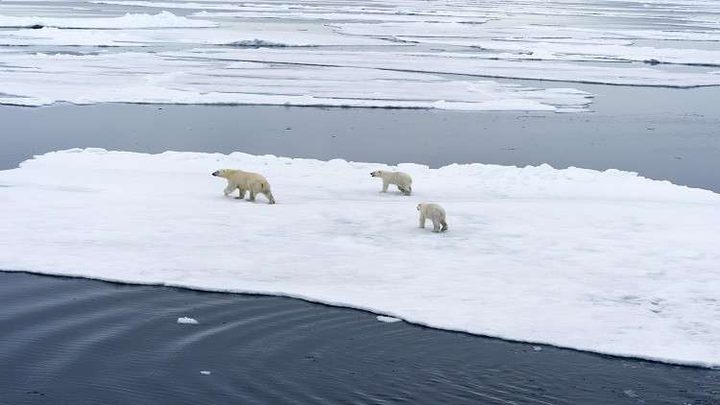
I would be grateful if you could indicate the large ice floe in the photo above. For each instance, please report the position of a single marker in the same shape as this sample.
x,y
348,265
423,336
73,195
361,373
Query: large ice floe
x,y
451,54
609,261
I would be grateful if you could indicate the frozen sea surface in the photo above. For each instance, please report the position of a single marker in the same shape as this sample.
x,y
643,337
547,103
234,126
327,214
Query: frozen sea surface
x,y
392,54
532,253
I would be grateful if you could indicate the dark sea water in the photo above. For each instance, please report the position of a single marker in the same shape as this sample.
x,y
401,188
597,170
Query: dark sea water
x,y
75,341
665,134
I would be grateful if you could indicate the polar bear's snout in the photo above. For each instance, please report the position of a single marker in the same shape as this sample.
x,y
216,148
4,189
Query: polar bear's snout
x,y
216,173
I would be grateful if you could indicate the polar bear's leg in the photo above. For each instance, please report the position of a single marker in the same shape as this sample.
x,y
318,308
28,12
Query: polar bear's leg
x,y
444,225
385,185
252,195
268,194
436,225
242,194
229,189
422,221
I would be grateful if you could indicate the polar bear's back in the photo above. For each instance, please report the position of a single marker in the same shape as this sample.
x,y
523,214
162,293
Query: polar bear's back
x,y
398,177
433,211
248,180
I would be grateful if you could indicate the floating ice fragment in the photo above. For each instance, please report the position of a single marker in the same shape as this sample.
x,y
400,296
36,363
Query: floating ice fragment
x,y
187,321
387,319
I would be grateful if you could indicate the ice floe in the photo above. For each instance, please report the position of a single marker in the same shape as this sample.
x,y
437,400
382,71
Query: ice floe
x,y
603,261
40,79
163,19
532,43
460,63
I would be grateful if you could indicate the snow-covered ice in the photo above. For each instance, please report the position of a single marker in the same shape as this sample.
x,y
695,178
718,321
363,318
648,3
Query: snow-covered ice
x,y
466,64
187,321
64,78
449,54
163,19
603,261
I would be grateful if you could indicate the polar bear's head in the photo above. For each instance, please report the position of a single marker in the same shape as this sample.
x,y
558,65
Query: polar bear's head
x,y
377,173
222,173
419,207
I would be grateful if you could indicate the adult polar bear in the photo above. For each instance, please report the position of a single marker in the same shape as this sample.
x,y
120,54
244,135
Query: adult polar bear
x,y
255,183
403,181
434,213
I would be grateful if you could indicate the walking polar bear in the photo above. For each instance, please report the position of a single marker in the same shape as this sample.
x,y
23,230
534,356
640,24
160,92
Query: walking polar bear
x,y
435,213
403,181
255,183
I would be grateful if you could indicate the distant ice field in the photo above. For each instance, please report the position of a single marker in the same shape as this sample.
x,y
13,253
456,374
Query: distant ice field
x,y
608,261
387,54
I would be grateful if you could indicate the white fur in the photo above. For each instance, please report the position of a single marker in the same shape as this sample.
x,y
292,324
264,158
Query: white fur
x,y
435,213
245,181
403,181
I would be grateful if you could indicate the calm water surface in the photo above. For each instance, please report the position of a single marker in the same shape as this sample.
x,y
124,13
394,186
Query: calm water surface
x,y
665,134
75,341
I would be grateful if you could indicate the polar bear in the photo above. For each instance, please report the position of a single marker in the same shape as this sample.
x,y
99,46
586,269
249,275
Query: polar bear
x,y
245,181
435,213
403,181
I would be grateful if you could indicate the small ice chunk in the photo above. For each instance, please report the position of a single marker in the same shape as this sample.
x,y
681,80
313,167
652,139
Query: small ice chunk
x,y
631,393
205,372
537,348
387,319
187,321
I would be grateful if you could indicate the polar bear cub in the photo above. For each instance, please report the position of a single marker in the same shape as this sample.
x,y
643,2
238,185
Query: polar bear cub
x,y
435,213
403,181
245,181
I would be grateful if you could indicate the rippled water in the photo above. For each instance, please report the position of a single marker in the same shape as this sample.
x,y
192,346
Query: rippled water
x,y
80,341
